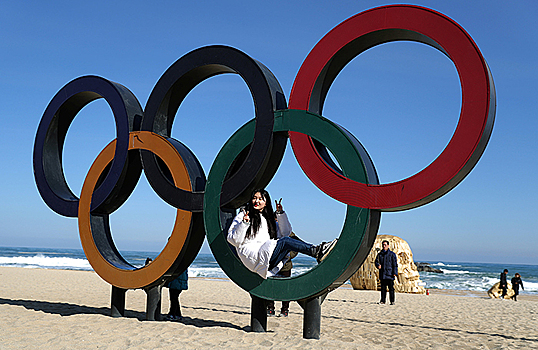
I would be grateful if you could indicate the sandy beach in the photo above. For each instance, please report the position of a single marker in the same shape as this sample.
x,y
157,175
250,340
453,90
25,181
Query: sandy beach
x,y
61,309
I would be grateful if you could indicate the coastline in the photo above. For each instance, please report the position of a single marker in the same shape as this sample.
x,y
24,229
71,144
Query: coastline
x,y
60,308
456,275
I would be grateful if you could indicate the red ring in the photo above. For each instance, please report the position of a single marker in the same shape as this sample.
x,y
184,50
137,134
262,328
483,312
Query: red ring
x,y
471,134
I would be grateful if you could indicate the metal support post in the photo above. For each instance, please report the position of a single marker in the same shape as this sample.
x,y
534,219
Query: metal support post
x,y
312,318
117,302
258,314
153,303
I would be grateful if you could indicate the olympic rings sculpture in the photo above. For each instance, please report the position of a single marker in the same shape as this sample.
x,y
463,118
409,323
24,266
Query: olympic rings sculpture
x,y
251,157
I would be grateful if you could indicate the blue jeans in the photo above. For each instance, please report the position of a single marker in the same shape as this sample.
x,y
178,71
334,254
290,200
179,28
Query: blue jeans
x,y
285,245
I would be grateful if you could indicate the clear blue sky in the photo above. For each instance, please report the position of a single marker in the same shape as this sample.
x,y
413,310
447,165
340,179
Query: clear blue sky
x,y
401,100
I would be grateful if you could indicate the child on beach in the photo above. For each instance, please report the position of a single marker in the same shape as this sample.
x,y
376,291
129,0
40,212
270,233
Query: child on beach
x,y
516,282
175,288
263,243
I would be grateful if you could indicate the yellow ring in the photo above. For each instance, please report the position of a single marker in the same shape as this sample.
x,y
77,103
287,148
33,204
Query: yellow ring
x,y
142,277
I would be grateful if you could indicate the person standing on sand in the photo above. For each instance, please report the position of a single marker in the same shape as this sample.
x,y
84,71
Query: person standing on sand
x,y
516,282
175,287
387,263
503,284
284,272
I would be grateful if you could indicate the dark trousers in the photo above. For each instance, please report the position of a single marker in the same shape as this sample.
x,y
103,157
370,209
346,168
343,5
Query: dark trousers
x,y
505,290
384,284
515,287
285,304
175,309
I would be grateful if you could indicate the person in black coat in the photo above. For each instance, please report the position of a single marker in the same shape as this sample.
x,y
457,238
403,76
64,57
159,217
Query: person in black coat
x,y
503,284
516,282
387,263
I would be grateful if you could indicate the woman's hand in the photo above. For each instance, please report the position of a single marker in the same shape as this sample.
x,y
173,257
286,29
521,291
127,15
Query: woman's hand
x,y
246,218
278,206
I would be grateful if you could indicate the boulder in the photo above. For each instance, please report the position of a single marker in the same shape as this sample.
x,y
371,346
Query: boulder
x,y
422,266
495,292
367,276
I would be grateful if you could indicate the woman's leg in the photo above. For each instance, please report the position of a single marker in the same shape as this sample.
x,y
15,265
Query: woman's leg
x,y
285,245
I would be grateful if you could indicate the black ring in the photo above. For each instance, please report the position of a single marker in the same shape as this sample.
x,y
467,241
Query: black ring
x,y
174,85
52,130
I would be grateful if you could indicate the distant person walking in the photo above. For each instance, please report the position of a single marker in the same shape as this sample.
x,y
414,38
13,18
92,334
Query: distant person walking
x,y
387,263
516,282
503,284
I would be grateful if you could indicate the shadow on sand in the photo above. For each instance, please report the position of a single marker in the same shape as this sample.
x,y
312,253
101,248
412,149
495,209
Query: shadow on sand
x,y
67,309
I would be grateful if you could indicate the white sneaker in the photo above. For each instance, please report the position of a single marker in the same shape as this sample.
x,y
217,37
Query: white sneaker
x,y
325,249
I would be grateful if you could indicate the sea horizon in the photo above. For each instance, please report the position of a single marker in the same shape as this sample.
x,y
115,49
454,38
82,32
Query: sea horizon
x,y
457,275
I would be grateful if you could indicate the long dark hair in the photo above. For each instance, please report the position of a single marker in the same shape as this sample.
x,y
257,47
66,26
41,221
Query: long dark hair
x,y
255,218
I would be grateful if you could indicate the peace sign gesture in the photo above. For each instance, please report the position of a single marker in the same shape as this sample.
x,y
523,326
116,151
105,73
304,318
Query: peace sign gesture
x,y
278,206
246,218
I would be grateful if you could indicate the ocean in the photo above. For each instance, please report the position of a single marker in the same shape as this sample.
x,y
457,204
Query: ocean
x,y
456,275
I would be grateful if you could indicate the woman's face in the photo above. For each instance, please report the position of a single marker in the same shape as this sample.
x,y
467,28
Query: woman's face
x,y
258,202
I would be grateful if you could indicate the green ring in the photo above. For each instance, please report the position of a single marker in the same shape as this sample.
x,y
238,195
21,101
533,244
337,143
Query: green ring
x,y
360,225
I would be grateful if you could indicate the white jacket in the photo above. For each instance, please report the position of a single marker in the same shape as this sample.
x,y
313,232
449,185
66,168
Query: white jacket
x,y
256,251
